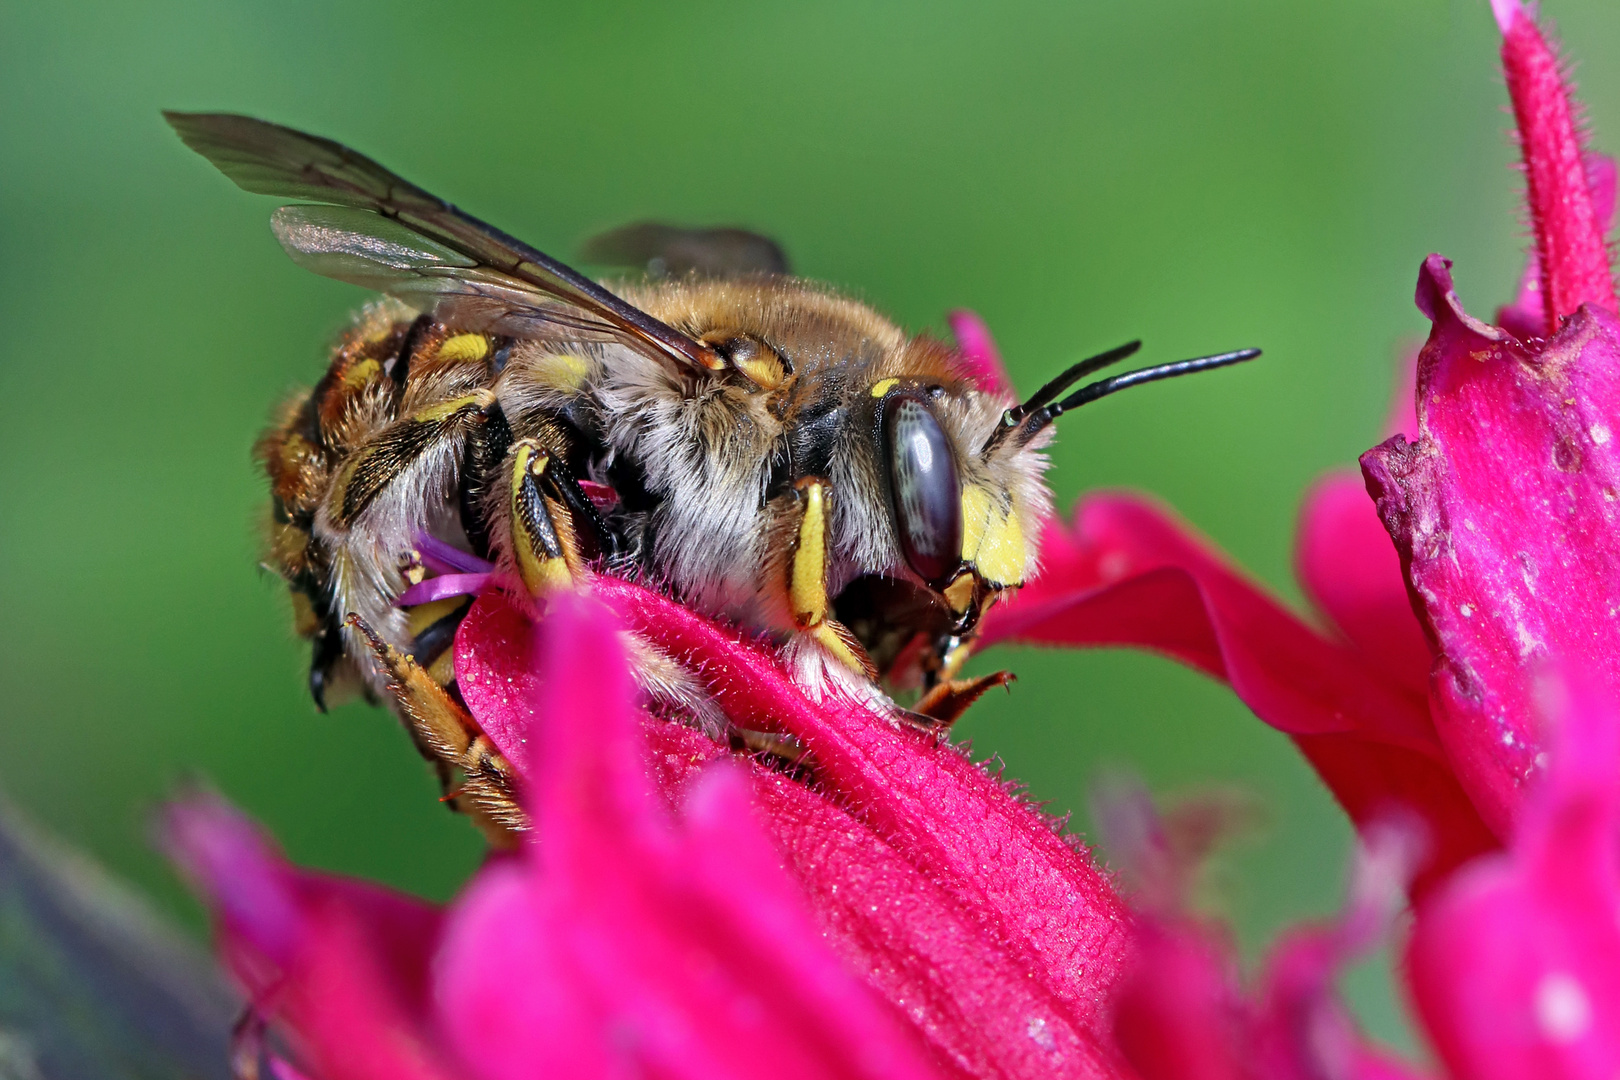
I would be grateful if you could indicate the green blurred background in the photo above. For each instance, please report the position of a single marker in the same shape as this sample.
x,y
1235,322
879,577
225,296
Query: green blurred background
x,y
1201,175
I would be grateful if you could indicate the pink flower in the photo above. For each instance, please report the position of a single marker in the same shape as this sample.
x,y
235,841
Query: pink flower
x,y
1503,515
627,938
701,917
683,910
1182,1012
958,901
1503,506
1515,964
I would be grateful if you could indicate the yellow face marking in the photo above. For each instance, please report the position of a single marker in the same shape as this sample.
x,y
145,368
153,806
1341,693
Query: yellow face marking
x,y
992,537
883,386
463,347
807,584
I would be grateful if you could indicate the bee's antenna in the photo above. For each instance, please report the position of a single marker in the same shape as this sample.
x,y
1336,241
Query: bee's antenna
x,y
1074,374
1033,420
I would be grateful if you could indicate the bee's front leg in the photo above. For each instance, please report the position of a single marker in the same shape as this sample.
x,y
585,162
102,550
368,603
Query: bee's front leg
x,y
807,578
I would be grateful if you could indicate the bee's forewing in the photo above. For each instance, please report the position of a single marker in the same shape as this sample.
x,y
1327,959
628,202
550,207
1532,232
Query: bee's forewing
x,y
375,252
269,159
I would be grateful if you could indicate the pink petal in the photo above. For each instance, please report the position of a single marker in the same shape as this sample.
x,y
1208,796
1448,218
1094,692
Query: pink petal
x,y
1302,1028
339,966
1044,902
942,887
1515,965
1574,256
1128,574
439,588
1178,1015
977,349
1504,512
602,496
1351,571
643,944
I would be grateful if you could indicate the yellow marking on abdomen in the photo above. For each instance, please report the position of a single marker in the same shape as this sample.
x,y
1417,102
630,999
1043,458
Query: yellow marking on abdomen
x,y
463,347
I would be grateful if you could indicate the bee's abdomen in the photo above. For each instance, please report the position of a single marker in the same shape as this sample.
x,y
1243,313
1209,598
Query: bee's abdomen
x,y
390,363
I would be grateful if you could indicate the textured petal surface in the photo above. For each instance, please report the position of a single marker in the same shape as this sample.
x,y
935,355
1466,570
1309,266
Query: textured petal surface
x,y
1515,966
643,944
1126,573
1568,222
1503,511
956,900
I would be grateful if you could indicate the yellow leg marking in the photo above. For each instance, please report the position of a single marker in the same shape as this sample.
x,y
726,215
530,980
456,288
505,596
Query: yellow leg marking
x,y
807,580
542,535
807,575
422,616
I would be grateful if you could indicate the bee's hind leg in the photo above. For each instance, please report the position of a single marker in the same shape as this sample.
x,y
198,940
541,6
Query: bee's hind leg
x,y
449,736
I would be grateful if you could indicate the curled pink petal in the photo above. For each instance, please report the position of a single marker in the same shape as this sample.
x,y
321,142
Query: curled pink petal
x,y
1570,243
1504,512
980,357
442,587
342,964
1128,574
1181,1012
1178,1015
1515,965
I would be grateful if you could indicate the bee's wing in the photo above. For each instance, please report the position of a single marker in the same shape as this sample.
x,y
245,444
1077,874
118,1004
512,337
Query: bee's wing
x,y
386,233
670,250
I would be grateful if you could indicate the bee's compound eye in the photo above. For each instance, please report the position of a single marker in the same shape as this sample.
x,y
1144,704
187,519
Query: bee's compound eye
x,y
927,491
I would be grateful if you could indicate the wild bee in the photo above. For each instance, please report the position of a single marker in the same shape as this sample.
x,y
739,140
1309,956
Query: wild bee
x,y
759,447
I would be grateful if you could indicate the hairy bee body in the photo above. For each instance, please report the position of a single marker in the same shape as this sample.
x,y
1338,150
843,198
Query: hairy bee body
x,y
412,431
761,449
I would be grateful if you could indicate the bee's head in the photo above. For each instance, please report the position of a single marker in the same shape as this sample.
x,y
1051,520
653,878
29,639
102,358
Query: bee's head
x,y
962,471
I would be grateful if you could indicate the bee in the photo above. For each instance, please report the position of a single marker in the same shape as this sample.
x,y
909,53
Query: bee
x,y
760,448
